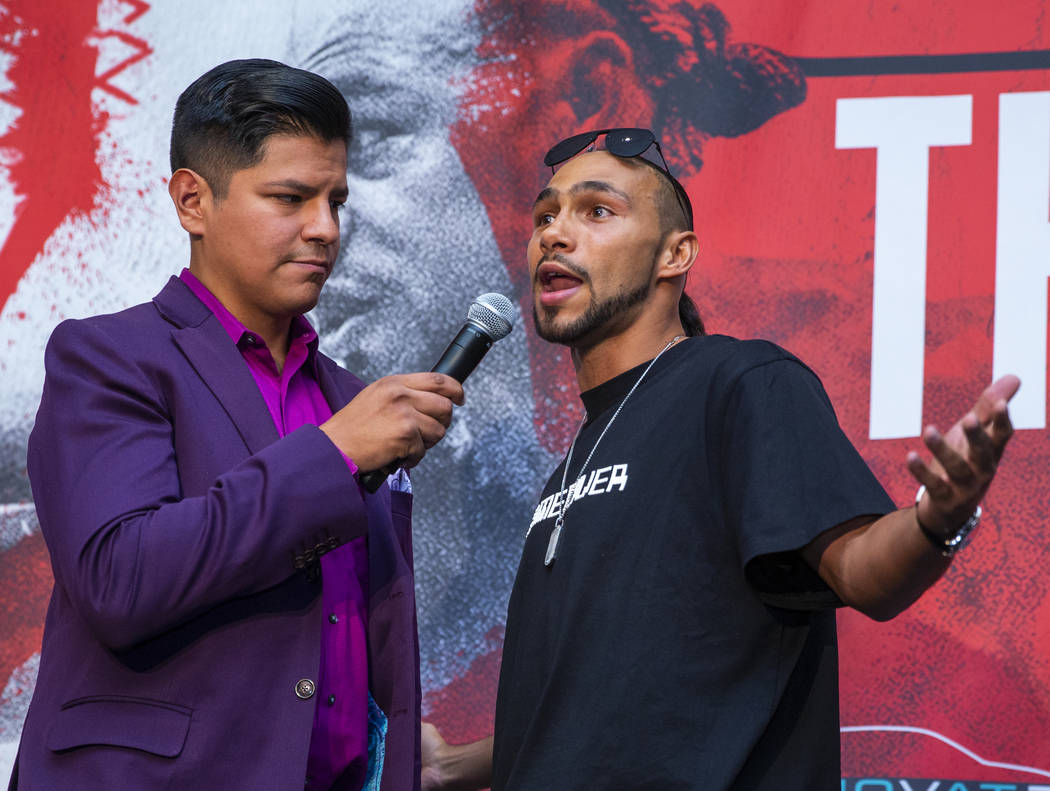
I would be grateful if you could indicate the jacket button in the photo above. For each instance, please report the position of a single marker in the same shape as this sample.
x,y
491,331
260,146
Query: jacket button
x,y
305,688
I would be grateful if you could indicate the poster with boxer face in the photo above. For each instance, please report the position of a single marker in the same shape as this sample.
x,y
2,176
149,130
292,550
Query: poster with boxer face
x,y
871,185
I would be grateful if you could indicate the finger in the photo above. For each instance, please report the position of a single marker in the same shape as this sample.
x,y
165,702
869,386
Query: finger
x,y
982,452
937,487
1001,428
435,383
413,454
957,468
1002,389
431,432
432,405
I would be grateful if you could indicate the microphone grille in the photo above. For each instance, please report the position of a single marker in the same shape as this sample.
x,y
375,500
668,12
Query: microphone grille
x,y
493,312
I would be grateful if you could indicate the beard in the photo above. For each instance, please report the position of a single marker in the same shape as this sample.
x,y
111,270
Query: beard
x,y
599,314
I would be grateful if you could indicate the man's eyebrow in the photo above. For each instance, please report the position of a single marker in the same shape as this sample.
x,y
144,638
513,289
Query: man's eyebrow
x,y
546,194
599,186
584,186
298,186
290,184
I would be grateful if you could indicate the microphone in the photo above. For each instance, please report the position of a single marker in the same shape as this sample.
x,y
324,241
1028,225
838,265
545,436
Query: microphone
x,y
489,319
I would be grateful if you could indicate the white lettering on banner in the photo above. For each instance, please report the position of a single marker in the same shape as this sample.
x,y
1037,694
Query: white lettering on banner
x,y
901,129
1022,251
601,481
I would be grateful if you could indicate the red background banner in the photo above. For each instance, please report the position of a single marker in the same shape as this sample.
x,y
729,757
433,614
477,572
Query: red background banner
x,y
760,107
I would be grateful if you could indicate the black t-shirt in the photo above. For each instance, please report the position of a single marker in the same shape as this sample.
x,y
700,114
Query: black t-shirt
x,y
677,641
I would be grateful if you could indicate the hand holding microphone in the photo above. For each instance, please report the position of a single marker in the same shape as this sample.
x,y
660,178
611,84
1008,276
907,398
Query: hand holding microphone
x,y
396,419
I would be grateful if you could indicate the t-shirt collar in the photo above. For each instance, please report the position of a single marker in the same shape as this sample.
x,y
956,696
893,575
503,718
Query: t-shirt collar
x,y
611,392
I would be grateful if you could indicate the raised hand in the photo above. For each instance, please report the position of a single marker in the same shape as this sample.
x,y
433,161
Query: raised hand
x,y
964,460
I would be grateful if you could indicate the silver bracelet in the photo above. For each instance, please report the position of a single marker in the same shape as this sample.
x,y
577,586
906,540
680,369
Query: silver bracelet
x,y
950,544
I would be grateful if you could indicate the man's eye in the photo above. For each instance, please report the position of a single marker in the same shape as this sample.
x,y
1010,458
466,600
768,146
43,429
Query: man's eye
x,y
601,211
338,204
544,219
288,198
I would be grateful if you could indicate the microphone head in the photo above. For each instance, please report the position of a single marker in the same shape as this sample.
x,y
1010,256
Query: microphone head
x,y
494,313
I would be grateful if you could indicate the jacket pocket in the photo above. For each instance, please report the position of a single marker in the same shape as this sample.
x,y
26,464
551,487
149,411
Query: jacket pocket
x,y
113,720
401,516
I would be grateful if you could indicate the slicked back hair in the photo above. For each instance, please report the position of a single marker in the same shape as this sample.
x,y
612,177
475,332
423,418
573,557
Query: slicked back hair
x,y
224,118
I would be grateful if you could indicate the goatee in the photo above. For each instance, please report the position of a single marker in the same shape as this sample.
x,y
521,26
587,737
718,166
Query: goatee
x,y
598,314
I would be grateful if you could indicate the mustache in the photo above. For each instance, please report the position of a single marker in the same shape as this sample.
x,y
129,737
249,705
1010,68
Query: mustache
x,y
326,253
567,263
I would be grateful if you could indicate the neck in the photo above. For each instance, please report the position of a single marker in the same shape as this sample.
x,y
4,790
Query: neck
x,y
275,331
613,355
277,341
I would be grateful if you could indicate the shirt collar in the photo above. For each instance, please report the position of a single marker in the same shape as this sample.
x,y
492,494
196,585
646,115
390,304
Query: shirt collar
x,y
301,330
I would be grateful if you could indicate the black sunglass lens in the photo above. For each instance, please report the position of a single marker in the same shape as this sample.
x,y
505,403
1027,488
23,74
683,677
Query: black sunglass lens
x,y
628,142
569,147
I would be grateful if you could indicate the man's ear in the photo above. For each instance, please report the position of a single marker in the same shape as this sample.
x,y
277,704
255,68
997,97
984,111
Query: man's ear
x,y
603,85
678,255
191,195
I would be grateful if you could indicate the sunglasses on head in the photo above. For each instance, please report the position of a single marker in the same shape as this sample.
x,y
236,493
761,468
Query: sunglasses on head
x,y
625,143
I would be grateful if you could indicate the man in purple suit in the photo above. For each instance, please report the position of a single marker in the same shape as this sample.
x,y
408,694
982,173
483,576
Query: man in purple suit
x,y
231,608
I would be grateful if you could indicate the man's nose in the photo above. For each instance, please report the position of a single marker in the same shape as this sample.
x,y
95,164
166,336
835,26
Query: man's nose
x,y
556,235
322,224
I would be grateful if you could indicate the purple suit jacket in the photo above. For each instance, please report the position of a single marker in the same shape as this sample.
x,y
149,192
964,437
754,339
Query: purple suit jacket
x,y
178,524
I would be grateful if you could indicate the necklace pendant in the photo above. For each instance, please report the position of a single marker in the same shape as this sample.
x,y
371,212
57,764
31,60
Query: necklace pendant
x,y
552,544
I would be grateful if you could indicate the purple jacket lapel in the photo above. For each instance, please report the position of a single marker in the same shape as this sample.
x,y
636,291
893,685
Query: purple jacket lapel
x,y
208,348
337,389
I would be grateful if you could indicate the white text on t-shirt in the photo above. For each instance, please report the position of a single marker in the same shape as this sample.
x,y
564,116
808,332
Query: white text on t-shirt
x,y
601,481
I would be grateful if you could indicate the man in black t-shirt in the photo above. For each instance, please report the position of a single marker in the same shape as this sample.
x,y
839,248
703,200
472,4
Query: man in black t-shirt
x,y
672,620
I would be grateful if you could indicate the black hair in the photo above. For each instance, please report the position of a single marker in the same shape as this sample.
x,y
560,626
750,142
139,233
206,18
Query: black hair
x,y
226,115
689,315
676,214
672,202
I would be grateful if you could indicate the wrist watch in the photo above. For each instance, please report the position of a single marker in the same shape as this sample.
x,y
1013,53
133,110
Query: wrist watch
x,y
951,543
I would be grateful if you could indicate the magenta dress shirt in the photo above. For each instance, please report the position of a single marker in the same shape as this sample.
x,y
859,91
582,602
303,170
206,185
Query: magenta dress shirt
x,y
339,742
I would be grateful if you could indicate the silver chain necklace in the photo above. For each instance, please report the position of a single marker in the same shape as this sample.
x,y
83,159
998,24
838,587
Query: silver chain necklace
x,y
552,544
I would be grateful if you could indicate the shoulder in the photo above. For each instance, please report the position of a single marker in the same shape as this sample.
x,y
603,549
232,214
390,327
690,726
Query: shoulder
x,y
136,330
724,372
133,350
728,359
122,329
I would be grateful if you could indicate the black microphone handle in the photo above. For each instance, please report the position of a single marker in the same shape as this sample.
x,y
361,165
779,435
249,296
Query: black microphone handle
x,y
464,353
459,359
